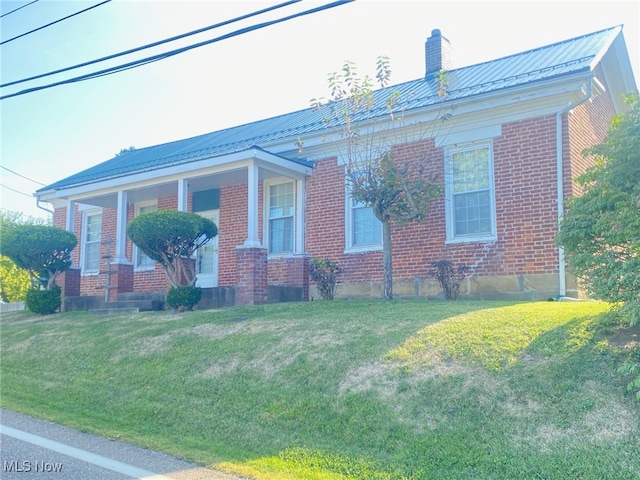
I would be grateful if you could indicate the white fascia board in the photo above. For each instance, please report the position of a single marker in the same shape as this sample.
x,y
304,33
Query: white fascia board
x,y
527,101
208,166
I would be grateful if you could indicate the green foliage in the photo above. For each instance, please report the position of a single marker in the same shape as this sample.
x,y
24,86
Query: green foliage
x,y
184,297
42,250
324,273
14,281
601,230
43,302
171,238
449,278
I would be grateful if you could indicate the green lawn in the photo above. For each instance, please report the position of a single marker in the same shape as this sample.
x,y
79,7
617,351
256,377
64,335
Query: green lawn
x,y
344,389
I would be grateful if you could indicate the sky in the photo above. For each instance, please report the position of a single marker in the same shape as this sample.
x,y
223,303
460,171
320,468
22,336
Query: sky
x,y
52,133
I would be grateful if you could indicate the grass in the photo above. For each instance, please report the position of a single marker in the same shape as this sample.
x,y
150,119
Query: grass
x,y
337,390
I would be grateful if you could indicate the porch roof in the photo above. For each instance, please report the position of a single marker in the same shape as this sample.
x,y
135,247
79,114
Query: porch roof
x,y
278,135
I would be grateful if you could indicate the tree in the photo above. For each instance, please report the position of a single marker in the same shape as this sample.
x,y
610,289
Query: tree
x,y
171,238
368,125
42,250
600,232
14,281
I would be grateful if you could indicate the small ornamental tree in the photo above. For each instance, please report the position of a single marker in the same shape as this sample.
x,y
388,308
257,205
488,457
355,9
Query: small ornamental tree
x,y
368,125
44,252
14,281
41,250
171,238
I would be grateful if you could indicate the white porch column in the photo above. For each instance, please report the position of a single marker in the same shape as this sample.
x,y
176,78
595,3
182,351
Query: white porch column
x,y
300,207
183,190
252,207
120,254
71,216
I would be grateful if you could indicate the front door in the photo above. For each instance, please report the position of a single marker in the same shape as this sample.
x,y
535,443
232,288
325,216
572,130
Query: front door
x,y
207,256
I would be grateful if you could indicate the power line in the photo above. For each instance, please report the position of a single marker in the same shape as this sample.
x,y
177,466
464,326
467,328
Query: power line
x,y
154,44
19,8
171,53
16,173
53,23
14,190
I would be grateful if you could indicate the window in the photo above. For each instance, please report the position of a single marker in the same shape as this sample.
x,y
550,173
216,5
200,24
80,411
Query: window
x,y
470,196
91,241
142,261
363,229
281,221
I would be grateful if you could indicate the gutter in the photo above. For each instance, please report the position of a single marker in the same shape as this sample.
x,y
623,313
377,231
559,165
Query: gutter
x,y
562,287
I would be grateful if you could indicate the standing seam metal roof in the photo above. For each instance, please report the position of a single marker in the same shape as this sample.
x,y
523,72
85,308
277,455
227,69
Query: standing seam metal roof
x,y
544,63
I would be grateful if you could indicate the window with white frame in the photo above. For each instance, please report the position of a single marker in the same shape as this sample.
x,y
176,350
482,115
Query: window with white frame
x,y
281,210
91,241
140,259
470,202
363,229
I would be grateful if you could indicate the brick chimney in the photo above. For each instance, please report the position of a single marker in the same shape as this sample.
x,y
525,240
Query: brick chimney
x,y
437,53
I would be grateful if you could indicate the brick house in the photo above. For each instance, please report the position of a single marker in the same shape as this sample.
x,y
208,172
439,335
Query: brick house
x,y
519,126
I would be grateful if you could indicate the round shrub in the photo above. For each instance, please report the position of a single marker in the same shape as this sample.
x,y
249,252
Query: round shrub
x,y
44,302
184,297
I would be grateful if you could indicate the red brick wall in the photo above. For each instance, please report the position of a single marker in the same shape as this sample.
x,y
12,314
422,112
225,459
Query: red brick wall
x,y
525,190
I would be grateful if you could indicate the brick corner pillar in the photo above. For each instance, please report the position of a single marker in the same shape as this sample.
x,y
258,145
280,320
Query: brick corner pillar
x,y
121,279
69,283
251,275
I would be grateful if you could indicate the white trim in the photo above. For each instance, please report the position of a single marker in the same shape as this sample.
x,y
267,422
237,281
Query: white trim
x,y
89,213
253,174
271,182
120,254
349,247
136,251
451,238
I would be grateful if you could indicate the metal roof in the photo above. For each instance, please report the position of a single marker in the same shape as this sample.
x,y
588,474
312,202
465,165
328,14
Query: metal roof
x,y
563,58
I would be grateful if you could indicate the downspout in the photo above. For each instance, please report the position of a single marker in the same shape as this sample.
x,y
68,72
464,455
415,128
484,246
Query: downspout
x,y
562,287
42,208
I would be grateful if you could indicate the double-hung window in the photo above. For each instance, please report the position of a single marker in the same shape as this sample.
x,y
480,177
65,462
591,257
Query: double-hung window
x,y
470,194
91,241
281,209
363,229
141,260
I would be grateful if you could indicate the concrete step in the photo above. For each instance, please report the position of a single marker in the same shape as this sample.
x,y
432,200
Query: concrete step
x,y
142,305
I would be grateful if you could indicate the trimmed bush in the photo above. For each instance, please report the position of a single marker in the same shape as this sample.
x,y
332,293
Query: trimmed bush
x,y
449,278
184,297
44,302
324,273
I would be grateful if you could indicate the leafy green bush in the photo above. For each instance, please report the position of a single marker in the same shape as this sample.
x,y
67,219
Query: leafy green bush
x,y
449,278
324,273
44,302
184,297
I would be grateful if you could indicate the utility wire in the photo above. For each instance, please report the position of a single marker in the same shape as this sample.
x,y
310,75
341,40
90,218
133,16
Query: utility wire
x,y
162,56
19,8
154,44
17,191
53,23
16,173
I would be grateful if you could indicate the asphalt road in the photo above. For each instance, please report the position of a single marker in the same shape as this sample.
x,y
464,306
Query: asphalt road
x,y
37,449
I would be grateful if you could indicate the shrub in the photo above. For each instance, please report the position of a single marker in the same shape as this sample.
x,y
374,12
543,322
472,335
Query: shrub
x,y
449,278
184,297
44,302
324,273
